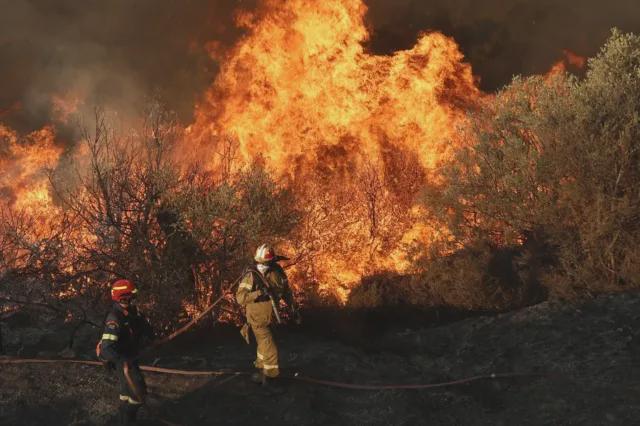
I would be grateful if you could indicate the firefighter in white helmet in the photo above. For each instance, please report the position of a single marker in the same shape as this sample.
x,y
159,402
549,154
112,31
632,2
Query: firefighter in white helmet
x,y
262,287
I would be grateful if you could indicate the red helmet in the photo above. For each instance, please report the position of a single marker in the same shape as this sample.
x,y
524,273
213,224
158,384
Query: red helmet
x,y
122,289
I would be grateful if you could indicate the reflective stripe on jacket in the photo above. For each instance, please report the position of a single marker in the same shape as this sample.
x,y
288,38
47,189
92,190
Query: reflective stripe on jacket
x,y
123,335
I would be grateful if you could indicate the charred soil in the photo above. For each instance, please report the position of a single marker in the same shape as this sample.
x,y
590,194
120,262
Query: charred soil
x,y
590,352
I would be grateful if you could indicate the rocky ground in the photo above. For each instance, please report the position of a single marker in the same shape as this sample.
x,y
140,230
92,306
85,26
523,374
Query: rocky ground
x,y
591,352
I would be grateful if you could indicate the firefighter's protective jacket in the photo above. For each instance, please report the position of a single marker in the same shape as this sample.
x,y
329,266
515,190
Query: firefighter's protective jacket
x,y
125,331
249,288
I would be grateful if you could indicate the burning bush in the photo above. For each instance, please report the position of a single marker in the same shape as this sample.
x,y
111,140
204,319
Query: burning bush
x,y
557,158
130,210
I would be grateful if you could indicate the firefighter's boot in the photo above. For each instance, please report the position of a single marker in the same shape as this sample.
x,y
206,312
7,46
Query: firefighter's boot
x,y
122,414
128,414
259,378
133,414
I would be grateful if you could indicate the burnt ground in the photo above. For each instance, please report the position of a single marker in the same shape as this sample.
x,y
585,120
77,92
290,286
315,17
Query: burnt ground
x,y
591,349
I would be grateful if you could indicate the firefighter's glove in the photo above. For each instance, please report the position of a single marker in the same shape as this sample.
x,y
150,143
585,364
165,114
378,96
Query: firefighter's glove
x,y
260,292
254,295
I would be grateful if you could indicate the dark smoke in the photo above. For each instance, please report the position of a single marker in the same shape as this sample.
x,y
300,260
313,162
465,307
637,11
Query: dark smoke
x,y
503,38
119,52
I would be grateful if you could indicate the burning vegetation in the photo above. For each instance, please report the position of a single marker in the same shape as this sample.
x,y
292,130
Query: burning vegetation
x,y
354,135
388,179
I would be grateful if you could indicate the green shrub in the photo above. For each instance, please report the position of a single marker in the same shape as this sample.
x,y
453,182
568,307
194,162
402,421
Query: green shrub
x,y
557,157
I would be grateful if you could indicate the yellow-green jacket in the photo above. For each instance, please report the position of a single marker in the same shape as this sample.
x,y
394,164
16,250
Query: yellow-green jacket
x,y
249,287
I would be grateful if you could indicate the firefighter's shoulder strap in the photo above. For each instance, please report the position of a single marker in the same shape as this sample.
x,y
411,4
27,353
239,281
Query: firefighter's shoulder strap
x,y
256,274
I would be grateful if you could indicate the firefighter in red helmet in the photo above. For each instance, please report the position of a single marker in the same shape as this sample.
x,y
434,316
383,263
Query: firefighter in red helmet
x,y
125,332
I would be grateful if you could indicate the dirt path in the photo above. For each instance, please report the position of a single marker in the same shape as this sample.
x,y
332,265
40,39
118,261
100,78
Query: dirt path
x,y
593,349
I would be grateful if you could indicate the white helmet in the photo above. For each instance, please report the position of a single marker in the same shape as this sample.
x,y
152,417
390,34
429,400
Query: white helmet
x,y
264,254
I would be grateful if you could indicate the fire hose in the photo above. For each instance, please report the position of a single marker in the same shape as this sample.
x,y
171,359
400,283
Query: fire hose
x,y
295,376
197,319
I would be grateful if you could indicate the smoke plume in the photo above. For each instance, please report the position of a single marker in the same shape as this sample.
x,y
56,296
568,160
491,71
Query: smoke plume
x,y
114,53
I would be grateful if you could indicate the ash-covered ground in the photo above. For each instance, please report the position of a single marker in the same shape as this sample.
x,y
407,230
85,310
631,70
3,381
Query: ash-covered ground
x,y
590,351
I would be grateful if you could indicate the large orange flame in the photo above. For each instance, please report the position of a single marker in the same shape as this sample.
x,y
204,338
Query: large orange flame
x,y
23,183
336,122
301,79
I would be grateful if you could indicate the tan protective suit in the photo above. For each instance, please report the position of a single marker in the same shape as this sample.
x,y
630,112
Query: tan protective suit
x,y
260,313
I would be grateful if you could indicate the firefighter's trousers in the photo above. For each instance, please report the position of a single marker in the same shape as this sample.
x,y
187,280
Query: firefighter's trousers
x,y
259,317
133,388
